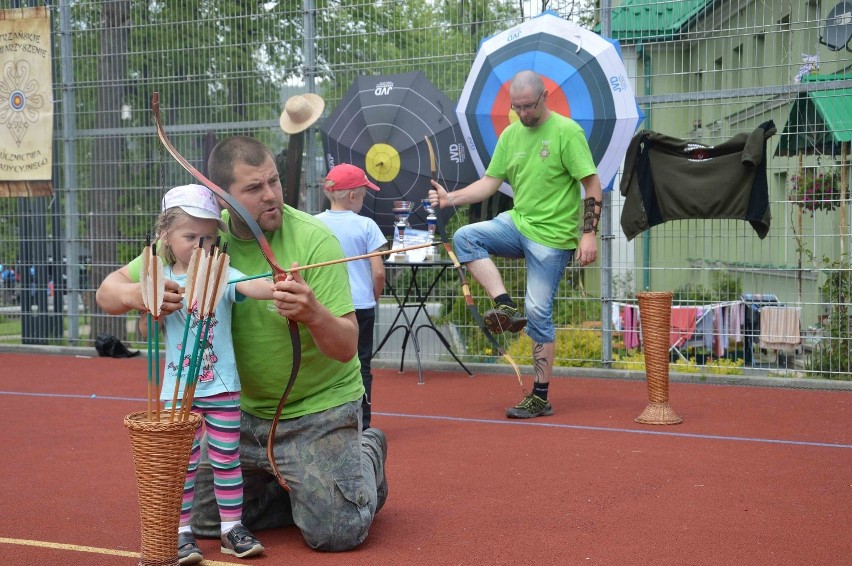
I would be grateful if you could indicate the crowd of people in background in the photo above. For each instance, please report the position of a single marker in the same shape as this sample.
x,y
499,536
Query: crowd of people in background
x,y
9,281
12,281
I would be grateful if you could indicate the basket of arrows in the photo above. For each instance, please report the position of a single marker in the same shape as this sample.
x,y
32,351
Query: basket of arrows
x,y
160,456
162,439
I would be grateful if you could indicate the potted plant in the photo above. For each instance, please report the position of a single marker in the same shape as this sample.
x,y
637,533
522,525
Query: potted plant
x,y
815,189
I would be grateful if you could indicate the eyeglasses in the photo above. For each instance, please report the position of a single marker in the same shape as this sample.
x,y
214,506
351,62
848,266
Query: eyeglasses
x,y
527,107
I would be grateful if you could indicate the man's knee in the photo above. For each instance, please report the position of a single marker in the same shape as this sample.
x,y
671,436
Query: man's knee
x,y
340,523
540,326
339,535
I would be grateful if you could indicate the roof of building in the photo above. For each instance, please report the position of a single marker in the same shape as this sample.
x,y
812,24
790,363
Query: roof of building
x,y
641,20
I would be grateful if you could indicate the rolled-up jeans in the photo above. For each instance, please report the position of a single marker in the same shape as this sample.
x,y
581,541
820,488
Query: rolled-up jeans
x,y
545,267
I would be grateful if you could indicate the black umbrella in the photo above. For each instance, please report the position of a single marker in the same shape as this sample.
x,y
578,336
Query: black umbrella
x,y
380,125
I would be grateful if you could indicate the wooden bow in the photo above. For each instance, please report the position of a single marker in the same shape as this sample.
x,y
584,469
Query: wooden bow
x,y
468,298
279,273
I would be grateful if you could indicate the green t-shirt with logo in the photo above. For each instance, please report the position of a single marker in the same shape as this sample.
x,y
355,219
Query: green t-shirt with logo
x,y
544,165
261,336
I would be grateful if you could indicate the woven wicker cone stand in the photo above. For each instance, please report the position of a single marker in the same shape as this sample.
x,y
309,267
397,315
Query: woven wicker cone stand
x,y
655,310
161,456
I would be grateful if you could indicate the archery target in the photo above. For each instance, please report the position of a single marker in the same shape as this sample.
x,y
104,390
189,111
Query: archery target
x,y
381,124
583,74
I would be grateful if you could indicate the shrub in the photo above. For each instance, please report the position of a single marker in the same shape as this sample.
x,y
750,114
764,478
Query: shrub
x,y
574,348
692,293
635,361
832,359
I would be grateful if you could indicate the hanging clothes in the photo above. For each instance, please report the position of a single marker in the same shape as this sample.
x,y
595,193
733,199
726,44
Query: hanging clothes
x,y
780,327
666,178
630,326
682,325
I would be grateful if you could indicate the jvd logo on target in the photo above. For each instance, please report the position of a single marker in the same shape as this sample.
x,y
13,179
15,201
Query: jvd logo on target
x,y
457,153
618,83
384,88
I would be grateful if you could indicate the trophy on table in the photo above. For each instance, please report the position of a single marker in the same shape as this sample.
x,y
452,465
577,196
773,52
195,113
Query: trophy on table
x,y
431,225
401,211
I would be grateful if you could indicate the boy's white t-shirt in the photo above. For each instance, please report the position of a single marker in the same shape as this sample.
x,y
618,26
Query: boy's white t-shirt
x,y
358,235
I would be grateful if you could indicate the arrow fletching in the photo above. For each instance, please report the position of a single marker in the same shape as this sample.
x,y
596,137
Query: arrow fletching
x,y
191,270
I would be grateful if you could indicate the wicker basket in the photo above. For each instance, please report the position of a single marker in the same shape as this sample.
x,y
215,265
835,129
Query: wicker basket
x,y
161,456
655,311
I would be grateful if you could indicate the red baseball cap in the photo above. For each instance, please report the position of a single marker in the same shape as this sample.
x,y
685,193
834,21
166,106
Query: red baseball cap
x,y
345,176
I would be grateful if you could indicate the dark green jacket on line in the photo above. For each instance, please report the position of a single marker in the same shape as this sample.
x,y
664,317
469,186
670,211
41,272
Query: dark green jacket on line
x,y
666,178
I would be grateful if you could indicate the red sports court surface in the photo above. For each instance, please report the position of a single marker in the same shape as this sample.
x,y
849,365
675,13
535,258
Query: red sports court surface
x,y
753,476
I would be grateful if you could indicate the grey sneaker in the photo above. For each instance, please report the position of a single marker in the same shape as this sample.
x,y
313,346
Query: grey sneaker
x,y
382,486
188,551
504,318
531,406
240,542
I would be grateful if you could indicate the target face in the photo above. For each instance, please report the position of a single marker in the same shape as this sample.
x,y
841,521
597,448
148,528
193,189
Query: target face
x,y
380,125
583,74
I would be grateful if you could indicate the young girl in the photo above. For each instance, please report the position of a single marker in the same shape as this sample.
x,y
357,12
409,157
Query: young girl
x,y
189,214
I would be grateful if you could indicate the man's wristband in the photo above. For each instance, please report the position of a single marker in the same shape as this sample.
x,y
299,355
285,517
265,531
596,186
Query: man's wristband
x,y
591,215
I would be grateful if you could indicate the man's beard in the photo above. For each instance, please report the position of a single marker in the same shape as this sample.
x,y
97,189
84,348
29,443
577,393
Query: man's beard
x,y
530,122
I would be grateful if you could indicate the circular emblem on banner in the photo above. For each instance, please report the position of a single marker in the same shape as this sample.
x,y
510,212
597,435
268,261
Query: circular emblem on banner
x,y
17,100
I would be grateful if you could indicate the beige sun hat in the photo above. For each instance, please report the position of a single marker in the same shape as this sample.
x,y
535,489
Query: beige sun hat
x,y
300,112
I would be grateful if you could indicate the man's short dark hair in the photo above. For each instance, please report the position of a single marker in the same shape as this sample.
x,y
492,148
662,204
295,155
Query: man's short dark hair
x,y
229,152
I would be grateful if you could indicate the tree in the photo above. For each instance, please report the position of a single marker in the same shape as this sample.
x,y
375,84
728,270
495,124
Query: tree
x,y
115,22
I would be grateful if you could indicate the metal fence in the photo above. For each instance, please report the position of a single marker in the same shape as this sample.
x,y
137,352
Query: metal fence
x,y
702,70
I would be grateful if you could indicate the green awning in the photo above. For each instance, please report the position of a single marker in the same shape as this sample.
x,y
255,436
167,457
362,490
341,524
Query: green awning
x,y
820,120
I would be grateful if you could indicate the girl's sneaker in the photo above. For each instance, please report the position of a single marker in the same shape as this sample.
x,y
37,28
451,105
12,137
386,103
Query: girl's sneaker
x,y
240,542
188,551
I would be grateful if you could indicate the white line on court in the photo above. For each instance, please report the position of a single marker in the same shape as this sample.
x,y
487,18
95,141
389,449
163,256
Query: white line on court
x,y
91,549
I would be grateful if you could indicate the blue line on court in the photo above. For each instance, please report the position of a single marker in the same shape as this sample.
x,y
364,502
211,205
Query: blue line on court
x,y
507,422
626,430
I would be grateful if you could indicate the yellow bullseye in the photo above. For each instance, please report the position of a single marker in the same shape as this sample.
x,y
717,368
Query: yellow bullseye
x,y
383,162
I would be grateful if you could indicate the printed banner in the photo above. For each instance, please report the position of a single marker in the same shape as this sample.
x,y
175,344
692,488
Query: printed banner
x,y
26,103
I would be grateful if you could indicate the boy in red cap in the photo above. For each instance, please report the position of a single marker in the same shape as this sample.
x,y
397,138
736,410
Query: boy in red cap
x,y
345,187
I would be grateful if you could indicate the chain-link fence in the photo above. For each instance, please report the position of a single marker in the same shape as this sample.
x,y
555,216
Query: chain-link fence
x,y
703,71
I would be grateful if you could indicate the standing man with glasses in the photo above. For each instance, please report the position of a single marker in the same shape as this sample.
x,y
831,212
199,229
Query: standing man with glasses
x,y
546,159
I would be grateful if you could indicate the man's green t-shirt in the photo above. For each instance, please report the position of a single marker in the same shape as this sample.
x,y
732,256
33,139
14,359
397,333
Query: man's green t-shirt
x,y
544,165
261,336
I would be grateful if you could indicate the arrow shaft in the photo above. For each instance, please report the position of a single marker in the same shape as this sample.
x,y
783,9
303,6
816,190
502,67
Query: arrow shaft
x,y
334,261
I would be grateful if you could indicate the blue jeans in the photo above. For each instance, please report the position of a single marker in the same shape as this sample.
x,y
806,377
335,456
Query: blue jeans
x,y
545,267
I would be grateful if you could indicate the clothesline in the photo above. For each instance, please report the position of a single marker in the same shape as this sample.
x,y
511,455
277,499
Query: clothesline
x,y
716,325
